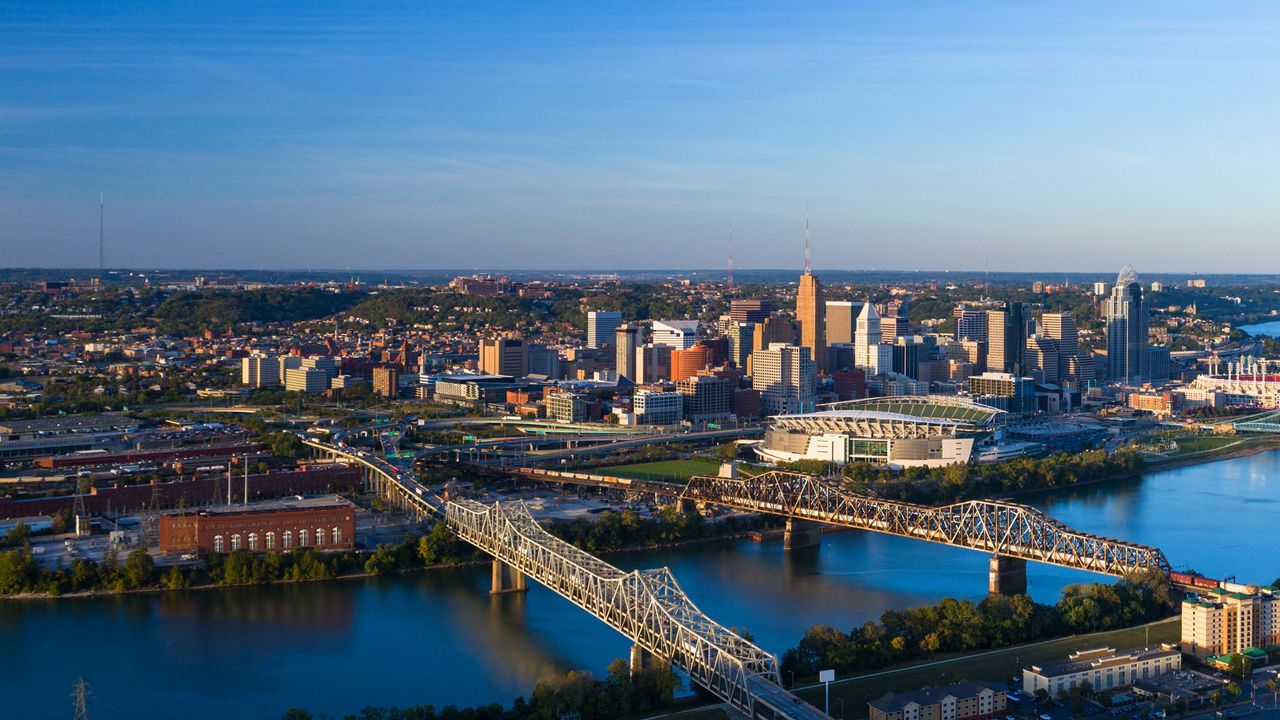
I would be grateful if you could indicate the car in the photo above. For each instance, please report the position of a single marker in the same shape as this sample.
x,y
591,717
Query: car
x,y
1046,717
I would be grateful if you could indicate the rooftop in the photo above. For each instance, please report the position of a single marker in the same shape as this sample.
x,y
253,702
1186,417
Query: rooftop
x,y
67,423
892,702
1101,658
292,504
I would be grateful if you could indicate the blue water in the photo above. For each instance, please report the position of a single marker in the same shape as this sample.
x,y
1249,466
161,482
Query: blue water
x,y
439,637
1270,329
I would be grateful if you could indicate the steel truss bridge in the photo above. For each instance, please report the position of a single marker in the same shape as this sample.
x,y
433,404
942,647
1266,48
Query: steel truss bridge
x,y
646,606
1264,422
1001,528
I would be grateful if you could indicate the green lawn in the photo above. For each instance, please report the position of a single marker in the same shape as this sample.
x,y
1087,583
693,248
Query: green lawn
x,y
995,666
664,470
1190,445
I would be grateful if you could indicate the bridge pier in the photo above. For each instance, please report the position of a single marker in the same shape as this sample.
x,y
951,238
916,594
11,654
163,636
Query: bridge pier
x,y
642,659
1008,576
801,534
686,505
506,579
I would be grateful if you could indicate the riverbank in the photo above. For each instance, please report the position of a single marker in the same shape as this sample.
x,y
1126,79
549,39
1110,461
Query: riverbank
x,y
1248,446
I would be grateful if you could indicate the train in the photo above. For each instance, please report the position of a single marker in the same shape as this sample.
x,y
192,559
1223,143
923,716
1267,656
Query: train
x,y
1198,581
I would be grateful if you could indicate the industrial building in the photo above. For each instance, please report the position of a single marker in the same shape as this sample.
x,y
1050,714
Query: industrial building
x,y
324,523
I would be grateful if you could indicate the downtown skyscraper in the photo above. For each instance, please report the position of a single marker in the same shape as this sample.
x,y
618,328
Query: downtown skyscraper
x,y
1128,358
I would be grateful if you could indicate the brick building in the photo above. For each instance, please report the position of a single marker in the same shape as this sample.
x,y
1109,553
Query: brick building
x,y
965,700
325,523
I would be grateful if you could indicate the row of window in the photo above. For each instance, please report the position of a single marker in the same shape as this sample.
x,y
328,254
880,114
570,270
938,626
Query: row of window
x,y
304,540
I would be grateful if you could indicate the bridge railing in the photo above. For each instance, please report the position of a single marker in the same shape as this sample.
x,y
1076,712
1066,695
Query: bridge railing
x,y
647,606
997,527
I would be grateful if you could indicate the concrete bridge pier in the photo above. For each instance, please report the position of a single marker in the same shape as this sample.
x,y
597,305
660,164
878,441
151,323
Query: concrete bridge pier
x,y
642,659
506,579
685,505
1008,576
801,534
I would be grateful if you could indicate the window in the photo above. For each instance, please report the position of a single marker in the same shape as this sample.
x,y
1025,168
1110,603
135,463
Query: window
x,y
253,541
271,541
304,538
319,537
288,539
235,542
337,536
217,543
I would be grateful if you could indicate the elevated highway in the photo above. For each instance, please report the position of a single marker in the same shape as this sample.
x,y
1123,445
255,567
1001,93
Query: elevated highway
x,y
648,606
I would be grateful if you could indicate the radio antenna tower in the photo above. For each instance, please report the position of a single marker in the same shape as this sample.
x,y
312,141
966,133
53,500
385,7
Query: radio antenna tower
x,y
807,267
80,694
102,235
731,257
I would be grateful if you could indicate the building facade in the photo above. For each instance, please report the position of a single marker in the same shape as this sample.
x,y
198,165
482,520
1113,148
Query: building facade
x,y
601,324
810,312
1230,619
321,524
1102,669
1126,315
785,376
965,700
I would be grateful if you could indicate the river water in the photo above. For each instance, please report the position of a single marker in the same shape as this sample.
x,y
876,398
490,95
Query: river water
x,y
438,637
1271,329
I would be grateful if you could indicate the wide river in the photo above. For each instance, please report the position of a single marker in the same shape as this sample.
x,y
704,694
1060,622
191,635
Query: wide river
x,y
438,637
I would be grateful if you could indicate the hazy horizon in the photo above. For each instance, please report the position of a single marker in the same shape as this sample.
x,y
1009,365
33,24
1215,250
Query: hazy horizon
x,y
561,136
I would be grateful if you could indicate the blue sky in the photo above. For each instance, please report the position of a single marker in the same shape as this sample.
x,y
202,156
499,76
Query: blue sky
x,y
1014,136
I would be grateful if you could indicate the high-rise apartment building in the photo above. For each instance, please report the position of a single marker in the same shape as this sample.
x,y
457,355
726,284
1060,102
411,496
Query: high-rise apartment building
x,y
1127,358
810,311
624,344
706,397
601,325
386,381
842,320
679,334
504,356
752,311
785,377
259,371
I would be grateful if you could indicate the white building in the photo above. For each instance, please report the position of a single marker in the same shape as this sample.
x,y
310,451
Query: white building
x,y
679,334
1102,668
656,407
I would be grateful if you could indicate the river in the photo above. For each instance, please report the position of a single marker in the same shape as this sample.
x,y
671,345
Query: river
x,y
438,636
1270,329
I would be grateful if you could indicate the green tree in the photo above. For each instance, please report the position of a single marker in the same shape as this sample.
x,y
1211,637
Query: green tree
x,y
17,569
138,569
296,714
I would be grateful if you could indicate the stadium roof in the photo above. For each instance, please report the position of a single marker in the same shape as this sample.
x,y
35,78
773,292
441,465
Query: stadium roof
x,y
933,408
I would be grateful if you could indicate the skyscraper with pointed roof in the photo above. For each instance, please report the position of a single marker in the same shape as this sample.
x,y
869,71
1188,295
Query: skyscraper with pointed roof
x,y
1128,359
811,310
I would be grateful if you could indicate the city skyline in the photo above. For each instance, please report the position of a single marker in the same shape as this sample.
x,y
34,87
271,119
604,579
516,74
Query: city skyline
x,y
920,136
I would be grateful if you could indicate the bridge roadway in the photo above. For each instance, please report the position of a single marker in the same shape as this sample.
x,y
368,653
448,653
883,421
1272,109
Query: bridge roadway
x,y
1005,529
646,606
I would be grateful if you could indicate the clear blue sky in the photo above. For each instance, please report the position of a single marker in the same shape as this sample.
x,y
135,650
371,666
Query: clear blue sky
x,y
1019,136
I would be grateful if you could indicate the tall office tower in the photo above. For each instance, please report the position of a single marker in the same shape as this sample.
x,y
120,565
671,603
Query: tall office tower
x,y
785,377
893,327
601,325
867,336
752,311
1007,338
544,360
1128,360
624,344
970,324
653,363
909,352
842,320
504,356
1061,327
679,334
774,329
810,309
742,342
1043,361
1100,289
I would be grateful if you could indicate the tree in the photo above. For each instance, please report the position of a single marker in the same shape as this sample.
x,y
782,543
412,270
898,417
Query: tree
x,y
296,714
138,568
16,571
1274,686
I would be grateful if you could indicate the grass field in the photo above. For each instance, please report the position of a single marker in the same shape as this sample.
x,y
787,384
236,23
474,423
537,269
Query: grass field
x,y
993,665
667,469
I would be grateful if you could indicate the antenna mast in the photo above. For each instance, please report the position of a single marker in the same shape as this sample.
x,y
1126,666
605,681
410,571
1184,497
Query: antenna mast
x,y
807,266
730,257
102,234
81,696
